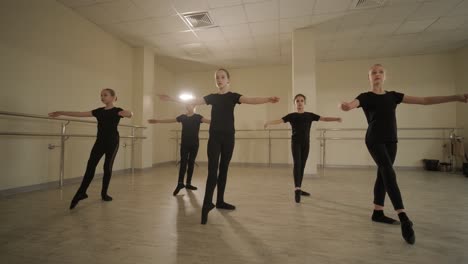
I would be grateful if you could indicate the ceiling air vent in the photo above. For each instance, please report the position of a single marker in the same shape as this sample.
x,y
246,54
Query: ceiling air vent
x,y
198,20
363,4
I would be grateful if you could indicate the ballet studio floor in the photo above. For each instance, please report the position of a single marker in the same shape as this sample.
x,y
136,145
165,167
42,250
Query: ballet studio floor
x,y
146,224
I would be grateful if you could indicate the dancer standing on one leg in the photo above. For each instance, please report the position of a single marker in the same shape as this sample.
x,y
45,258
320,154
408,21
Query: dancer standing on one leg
x,y
301,122
381,140
189,145
107,142
221,139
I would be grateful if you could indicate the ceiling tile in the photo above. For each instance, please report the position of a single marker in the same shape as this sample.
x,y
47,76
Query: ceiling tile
x,y
434,9
126,10
350,33
288,25
236,31
296,8
273,52
223,3
229,15
358,19
189,6
395,14
459,10
382,29
244,54
217,45
77,3
247,43
156,8
416,26
267,42
265,28
153,26
331,6
97,14
448,23
261,11
176,38
210,34
251,1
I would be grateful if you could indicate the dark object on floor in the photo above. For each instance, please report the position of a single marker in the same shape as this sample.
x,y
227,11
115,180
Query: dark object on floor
x,y
431,165
465,169
445,167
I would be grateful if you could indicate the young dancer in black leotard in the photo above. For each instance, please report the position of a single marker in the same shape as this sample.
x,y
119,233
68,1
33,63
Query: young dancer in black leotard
x,y
381,140
189,145
301,122
221,138
107,142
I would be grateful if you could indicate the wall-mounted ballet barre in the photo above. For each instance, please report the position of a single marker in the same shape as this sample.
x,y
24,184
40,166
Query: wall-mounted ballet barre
x,y
177,139
64,136
323,139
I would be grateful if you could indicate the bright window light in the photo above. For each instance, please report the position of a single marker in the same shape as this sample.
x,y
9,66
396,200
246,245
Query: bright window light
x,y
186,96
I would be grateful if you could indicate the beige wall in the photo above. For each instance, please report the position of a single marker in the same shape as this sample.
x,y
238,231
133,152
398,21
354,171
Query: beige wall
x,y
52,59
461,70
143,101
461,81
164,147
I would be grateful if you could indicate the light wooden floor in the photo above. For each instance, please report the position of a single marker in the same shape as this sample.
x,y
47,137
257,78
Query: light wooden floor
x,y
146,224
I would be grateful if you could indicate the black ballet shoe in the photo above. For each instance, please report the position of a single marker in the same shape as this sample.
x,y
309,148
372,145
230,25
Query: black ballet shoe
x,y
179,187
407,228
205,210
106,198
407,232
297,195
305,193
191,187
379,217
76,199
225,206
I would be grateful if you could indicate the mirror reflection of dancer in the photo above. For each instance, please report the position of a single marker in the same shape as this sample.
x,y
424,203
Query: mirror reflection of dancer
x,y
221,138
301,123
189,146
107,143
381,140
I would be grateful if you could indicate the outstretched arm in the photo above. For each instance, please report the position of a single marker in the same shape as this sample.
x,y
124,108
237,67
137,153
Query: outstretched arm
x,y
273,122
126,113
435,99
73,114
258,100
194,101
206,121
350,106
156,121
330,119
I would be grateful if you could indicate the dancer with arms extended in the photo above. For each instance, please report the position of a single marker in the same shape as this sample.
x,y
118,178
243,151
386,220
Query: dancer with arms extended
x,y
107,142
379,107
301,123
221,137
189,145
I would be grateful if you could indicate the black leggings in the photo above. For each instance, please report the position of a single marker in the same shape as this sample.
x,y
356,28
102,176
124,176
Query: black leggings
x,y
101,147
220,148
384,156
300,153
187,162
